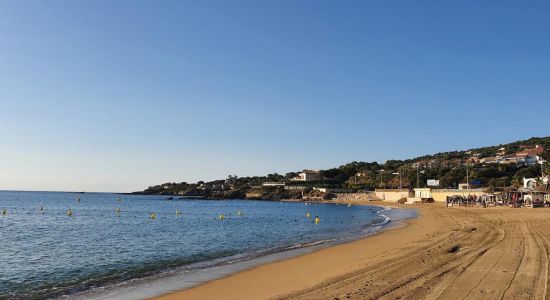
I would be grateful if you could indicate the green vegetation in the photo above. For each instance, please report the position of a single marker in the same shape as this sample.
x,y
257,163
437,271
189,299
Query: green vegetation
x,y
450,168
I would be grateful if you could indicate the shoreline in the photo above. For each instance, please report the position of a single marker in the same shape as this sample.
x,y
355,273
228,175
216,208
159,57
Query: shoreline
x,y
217,287
446,253
182,278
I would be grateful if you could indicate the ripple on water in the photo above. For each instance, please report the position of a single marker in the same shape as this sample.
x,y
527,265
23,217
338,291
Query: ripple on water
x,y
50,253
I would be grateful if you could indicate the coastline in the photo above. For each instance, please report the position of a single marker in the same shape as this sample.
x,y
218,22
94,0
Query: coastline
x,y
446,253
183,278
291,273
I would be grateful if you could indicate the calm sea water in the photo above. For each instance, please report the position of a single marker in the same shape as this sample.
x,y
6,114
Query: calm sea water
x,y
46,253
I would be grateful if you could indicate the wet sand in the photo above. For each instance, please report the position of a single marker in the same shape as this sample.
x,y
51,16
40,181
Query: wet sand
x,y
447,253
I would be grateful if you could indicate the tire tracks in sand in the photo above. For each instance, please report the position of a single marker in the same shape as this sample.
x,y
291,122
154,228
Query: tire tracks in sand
x,y
498,257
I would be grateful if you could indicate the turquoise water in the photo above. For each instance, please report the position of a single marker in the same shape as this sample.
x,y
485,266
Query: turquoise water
x,y
46,253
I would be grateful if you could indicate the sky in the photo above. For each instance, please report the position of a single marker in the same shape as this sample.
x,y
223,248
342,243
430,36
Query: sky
x,y
121,95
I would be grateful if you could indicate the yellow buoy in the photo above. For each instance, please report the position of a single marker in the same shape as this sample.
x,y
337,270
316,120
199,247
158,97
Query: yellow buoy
x,y
317,220
70,212
221,217
153,216
178,212
4,211
239,213
308,215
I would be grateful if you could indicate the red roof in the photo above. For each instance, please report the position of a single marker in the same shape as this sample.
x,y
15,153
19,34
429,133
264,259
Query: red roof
x,y
531,152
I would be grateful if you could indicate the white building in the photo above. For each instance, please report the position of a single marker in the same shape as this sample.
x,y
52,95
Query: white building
x,y
273,183
308,175
529,183
423,193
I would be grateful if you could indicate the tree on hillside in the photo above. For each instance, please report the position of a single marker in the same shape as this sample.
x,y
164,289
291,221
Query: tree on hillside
x,y
546,168
528,172
517,182
290,175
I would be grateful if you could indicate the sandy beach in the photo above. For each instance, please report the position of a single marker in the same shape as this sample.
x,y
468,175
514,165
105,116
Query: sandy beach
x,y
447,253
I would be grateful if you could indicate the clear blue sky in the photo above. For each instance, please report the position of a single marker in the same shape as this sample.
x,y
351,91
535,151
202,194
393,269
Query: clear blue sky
x,y
120,95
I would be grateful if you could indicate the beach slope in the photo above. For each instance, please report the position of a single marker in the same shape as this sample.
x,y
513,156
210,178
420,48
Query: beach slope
x,y
447,253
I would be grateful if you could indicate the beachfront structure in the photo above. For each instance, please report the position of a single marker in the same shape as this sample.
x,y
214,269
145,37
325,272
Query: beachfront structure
x,y
423,193
393,195
463,186
307,176
529,183
441,194
533,198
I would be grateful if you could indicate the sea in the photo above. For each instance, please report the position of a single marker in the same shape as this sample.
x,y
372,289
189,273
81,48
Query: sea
x,y
114,246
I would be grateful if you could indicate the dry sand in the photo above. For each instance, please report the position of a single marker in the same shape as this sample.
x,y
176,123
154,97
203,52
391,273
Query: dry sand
x,y
447,253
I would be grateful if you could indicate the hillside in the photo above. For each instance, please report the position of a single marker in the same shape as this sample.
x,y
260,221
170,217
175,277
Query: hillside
x,y
493,166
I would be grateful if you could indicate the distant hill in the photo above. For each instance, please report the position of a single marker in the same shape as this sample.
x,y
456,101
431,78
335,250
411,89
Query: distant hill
x,y
496,166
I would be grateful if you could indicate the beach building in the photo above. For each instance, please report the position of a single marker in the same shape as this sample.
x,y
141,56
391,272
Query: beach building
x,y
529,183
419,194
308,175
463,186
441,194
533,198
393,195
423,193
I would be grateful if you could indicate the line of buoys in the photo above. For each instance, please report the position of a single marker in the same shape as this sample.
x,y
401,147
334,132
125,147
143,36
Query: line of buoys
x,y
4,211
178,212
308,215
221,217
69,212
153,216
317,220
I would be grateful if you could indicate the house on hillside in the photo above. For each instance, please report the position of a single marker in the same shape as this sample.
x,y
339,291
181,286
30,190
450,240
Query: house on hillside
x,y
473,160
531,157
308,175
273,183
537,151
491,160
526,157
